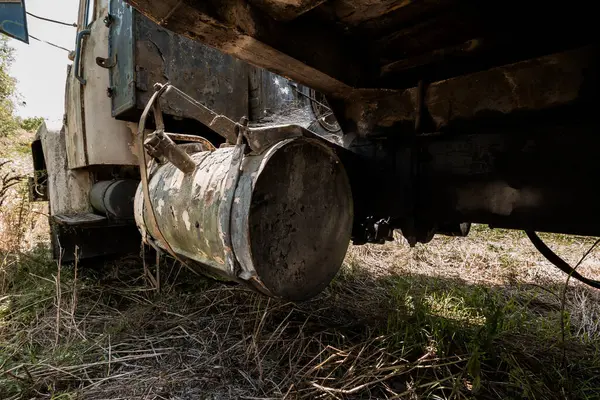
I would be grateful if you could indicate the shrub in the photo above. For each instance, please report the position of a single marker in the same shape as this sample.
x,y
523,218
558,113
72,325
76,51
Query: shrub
x,y
31,124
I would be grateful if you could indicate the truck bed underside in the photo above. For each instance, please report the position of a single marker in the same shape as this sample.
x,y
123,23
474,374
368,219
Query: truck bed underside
x,y
455,111
334,45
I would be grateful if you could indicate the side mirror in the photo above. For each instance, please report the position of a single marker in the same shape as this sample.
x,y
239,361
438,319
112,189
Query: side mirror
x,y
13,21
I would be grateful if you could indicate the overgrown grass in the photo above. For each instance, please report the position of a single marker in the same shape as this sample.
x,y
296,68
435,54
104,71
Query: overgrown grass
x,y
367,336
475,318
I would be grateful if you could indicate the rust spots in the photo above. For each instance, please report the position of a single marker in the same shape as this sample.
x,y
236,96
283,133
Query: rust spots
x,y
286,10
355,12
208,197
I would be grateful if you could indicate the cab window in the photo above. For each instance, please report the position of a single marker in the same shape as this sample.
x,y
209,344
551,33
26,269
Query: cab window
x,y
90,12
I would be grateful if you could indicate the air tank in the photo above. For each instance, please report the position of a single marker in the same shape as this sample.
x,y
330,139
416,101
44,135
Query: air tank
x,y
279,221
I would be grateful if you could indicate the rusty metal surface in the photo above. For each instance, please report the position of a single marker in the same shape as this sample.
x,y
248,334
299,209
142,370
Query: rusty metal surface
x,y
187,207
297,222
94,138
68,190
187,106
160,145
286,10
221,220
267,93
470,101
147,53
217,80
204,144
539,178
275,100
234,31
260,139
340,45
492,75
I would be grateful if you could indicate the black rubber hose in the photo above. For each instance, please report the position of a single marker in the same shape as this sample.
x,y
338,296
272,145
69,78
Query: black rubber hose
x,y
559,262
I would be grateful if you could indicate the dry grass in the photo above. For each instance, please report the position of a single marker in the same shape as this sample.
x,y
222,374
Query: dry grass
x,y
474,318
372,334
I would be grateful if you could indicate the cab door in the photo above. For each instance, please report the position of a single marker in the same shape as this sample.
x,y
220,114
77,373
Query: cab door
x,y
74,107
95,137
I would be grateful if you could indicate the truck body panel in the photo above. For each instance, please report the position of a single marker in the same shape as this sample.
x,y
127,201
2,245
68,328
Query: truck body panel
x,y
491,89
146,54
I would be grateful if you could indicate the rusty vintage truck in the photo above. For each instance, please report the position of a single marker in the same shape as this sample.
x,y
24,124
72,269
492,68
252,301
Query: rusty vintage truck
x,y
430,116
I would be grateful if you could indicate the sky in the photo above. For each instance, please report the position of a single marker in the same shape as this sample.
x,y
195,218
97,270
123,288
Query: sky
x,y
41,69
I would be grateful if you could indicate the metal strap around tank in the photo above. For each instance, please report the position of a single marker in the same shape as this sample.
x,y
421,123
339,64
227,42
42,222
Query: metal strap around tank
x,y
234,173
191,138
104,197
152,104
233,176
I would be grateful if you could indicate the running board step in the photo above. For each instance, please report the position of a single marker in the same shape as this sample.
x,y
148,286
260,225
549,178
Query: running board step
x,y
79,219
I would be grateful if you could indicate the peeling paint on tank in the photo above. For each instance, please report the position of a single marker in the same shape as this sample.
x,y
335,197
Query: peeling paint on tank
x,y
219,260
177,180
202,254
186,220
197,183
161,204
228,183
153,185
138,206
207,161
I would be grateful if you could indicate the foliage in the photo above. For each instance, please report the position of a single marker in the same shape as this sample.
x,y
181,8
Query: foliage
x,y
8,179
31,124
8,123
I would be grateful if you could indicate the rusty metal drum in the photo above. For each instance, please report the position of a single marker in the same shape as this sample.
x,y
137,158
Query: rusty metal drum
x,y
279,221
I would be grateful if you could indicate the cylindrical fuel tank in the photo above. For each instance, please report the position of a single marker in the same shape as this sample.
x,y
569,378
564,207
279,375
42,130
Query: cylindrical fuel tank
x,y
280,220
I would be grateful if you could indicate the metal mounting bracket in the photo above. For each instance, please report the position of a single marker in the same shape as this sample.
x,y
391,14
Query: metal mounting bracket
x,y
106,62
